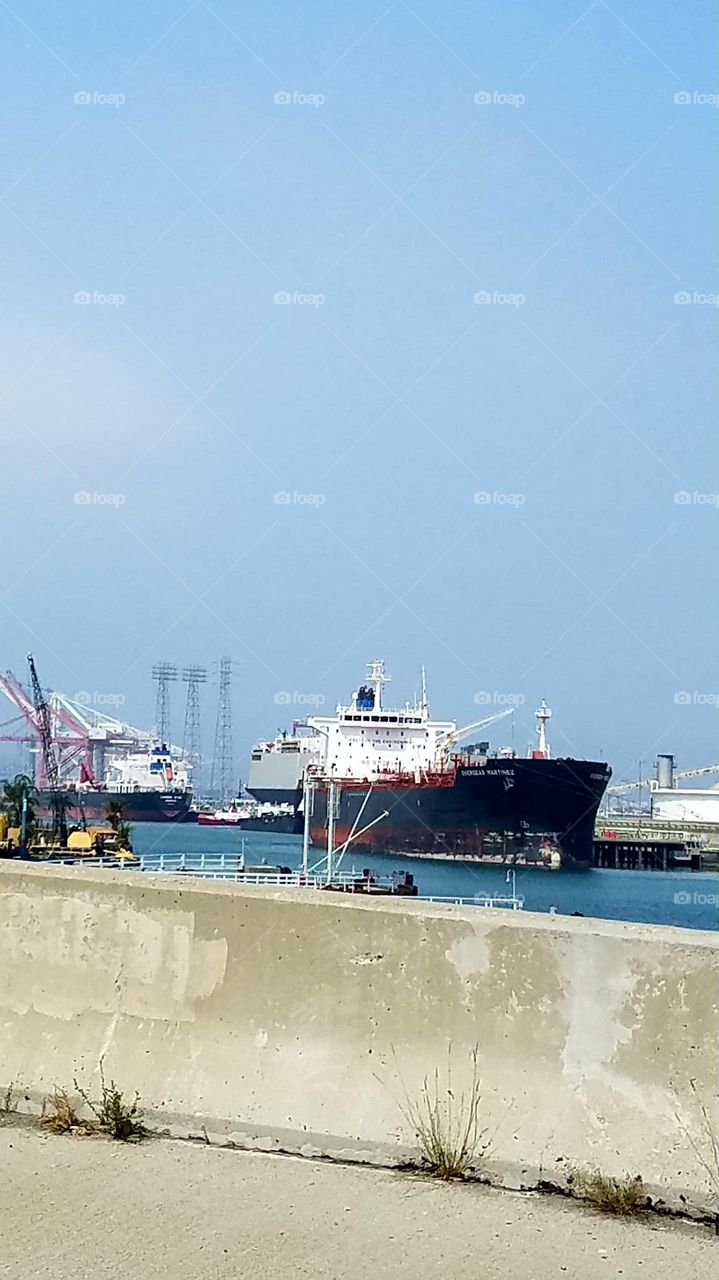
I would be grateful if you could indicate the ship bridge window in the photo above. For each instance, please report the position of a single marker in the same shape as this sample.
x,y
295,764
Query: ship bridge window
x,y
393,719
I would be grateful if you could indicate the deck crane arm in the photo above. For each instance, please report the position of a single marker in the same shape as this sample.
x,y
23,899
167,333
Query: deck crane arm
x,y
42,715
445,743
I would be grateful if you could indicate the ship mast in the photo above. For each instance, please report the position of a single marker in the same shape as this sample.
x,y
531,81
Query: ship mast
x,y
543,714
377,678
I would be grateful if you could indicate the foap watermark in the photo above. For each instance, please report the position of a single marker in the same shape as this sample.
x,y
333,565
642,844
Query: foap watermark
x,y
296,698
695,98
695,698
285,299
92,298
687,498
496,299
696,298
94,98
684,898
98,699
495,98
496,498
496,698
83,498
295,98
283,498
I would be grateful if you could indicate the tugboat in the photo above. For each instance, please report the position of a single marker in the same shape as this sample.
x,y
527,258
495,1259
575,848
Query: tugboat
x,y
250,816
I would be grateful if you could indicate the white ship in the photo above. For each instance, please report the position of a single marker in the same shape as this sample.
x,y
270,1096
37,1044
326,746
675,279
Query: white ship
x,y
152,770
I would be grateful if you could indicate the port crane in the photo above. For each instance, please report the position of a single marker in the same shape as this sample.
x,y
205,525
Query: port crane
x,y
44,728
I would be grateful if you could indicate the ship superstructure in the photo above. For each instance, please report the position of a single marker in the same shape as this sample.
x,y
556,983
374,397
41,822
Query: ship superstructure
x,y
367,740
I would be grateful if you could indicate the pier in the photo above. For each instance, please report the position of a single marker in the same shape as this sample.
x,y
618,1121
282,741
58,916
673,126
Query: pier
x,y
641,843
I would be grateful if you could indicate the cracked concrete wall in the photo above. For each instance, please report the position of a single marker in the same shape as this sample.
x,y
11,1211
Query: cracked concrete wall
x,y
301,1019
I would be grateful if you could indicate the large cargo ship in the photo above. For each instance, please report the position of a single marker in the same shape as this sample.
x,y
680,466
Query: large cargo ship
x,y
148,785
395,781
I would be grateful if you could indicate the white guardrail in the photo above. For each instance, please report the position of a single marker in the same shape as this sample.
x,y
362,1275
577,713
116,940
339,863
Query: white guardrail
x,y
228,867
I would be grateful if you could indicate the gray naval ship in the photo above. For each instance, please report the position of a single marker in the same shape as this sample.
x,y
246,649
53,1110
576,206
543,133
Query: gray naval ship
x,y
277,767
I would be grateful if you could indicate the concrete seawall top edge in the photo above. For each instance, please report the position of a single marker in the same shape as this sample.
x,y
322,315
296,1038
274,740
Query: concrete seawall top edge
x,y
14,872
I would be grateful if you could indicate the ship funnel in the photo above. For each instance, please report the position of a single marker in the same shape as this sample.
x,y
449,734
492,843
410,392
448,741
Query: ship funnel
x,y
665,772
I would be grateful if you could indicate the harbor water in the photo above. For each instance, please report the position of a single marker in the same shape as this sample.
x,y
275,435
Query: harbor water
x,y
687,900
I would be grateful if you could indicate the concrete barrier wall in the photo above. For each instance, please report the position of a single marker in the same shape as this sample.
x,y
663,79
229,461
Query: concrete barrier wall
x,y
300,1020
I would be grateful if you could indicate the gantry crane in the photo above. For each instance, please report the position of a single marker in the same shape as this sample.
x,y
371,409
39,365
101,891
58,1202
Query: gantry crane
x,y
44,727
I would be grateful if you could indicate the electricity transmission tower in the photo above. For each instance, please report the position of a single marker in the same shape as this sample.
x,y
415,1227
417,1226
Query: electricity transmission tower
x,y
163,673
191,744
221,777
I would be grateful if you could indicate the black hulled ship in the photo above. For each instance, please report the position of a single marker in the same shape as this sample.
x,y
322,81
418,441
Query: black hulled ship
x,y
395,781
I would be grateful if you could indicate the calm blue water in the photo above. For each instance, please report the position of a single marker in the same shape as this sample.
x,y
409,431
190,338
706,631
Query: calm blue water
x,y
673,897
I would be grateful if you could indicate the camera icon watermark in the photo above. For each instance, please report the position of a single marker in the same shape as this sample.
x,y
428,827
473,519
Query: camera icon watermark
x,y
98,699
285,299
685,898
695,698
685,498
294,98
87,298
496,498
695,98
283,498
93,98
494,98
296,698
83,498
483,298
685,298
496,698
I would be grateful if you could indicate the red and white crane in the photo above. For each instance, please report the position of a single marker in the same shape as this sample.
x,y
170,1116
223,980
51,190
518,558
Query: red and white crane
x,y
81,736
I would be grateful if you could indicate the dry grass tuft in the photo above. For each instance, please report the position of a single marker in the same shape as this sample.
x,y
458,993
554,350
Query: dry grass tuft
x,y
614,1195
705,1147
707,1153
447,1125
60,1116
7,1106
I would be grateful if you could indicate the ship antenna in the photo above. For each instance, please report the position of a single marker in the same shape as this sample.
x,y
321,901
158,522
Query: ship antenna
x,y
424,690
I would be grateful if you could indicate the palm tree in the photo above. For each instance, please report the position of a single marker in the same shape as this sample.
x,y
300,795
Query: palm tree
x,y
123,833
115,814
12,799
116,818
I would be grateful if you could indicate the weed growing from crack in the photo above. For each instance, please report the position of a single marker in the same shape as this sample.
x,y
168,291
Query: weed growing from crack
x,y
120,1119
615,1195
447,1124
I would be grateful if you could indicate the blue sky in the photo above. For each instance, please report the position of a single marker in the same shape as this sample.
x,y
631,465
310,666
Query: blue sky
x,y
488,487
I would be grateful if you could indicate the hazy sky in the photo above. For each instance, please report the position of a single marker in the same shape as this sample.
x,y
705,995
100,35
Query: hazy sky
x,y
481,398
